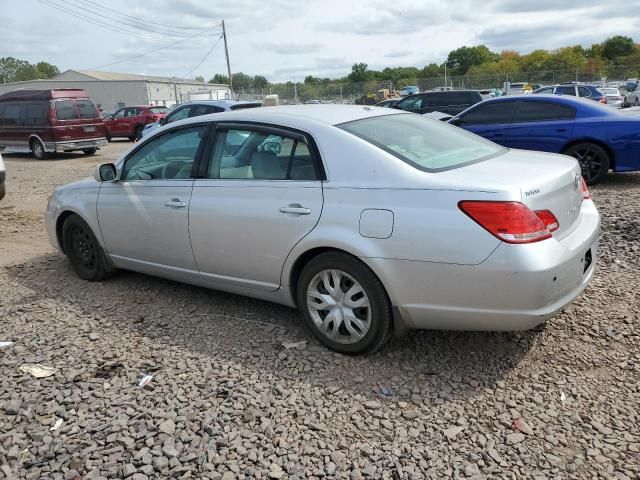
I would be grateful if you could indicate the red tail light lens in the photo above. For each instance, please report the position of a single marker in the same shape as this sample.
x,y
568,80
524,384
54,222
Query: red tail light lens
x,y
549,219
585,191
511,222
603,100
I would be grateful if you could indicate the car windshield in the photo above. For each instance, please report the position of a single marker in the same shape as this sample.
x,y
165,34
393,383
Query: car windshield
x,y
426,144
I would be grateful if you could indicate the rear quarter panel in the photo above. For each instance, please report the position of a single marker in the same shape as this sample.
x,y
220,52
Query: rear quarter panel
x,y
621,136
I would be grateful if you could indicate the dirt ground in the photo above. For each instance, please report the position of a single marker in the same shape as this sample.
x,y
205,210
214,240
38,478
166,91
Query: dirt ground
x,y
227,400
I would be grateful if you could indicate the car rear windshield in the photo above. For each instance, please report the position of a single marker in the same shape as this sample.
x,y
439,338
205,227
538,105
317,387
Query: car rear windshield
x,y
87,109
240,106
66,110
159,110
428,145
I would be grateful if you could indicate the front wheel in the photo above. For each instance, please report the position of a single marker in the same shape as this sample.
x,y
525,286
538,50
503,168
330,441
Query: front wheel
x,y
594,161
344,304
85,254
137,134
90,151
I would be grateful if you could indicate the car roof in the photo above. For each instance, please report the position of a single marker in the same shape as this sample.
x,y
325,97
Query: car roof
x,y
219,103
322,113
583,104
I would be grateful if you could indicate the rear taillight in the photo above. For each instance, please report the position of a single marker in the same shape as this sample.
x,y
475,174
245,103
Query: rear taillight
x,y
549,219
511,222
585,191
603,100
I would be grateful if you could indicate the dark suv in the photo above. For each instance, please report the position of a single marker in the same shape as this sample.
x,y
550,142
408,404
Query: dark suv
x,y
451,102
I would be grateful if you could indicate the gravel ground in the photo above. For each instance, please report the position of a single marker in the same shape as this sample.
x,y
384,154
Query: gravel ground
x,y
227,400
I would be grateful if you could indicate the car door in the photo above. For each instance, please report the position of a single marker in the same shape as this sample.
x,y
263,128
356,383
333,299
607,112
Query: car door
x,y
114,124
489,119
144,215
260,194
540,125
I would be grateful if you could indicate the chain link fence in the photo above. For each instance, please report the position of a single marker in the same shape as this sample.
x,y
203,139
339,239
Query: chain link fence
x,y
370,92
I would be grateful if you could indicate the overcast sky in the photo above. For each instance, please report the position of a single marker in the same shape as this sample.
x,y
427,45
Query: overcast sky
x,y
288,39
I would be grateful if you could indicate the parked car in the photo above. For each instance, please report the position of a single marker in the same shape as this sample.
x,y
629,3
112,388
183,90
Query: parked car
x,y
599,137
614,98
129,122
461,233
632,97
3,175
47,121
408,90
198,108
387,103
575,90
451,102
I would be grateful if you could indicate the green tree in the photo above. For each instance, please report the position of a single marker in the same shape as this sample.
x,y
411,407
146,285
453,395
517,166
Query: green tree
x,y
432,70
617,46
219,78
46,70
260,81
359,72
241,81
460,60
199,78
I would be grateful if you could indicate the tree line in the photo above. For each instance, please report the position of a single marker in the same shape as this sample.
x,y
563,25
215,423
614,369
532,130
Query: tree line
x,y
15,70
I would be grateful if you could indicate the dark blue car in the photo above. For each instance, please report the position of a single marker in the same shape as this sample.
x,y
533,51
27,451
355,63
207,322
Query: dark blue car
x,y
599,137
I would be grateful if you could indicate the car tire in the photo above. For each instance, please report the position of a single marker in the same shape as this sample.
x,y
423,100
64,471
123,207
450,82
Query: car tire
x,y
90,151
3,191
360,323
137,133
637,104
108,137
38,150
84,252
594,161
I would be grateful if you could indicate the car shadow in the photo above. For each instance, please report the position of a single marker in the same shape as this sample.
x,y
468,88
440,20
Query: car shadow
x,y
436,366
620,181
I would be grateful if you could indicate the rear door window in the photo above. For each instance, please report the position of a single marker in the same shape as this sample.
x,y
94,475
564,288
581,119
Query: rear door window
x,y
66,110
12,115
567,90
179,114
543,111
198,110
35,114
490,113
584,92
87,109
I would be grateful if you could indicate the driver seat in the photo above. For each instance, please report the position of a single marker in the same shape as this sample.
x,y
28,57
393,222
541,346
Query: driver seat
x,y
266,166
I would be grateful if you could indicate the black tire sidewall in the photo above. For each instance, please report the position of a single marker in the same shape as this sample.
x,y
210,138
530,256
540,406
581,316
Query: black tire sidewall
x,y
90,151
44,155
606,161
381,314
101,269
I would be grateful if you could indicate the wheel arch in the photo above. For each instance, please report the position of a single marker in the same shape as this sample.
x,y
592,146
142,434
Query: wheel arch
x,y
66,213
600,143
35,136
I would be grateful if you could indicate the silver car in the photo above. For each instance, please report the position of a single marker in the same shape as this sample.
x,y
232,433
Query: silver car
x,y
369,220
632,97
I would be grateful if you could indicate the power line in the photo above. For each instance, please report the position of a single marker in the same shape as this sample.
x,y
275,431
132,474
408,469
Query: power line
x,y
123,21
95,22
150,51
173,27
205,57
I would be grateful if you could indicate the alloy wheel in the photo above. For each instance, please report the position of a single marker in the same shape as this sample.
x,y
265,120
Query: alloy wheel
x,y
590,163
38,149
339,306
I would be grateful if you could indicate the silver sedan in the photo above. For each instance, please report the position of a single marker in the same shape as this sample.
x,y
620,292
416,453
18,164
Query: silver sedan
x,y
368,220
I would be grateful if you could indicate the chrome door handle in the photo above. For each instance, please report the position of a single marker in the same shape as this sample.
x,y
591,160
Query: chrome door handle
x,y
295,209
175,203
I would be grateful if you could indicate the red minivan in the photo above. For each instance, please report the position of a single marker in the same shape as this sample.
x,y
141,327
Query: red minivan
x,y
48,121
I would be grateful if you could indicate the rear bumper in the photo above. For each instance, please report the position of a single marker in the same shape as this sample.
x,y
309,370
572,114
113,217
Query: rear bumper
x,y
71,145
516,288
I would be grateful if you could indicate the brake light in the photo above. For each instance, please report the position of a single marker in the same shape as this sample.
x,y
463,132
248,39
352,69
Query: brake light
x,y
549,219
603,100
511,222
585,191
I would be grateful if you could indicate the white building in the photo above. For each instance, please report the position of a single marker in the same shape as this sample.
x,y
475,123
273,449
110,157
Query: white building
x,y
115,90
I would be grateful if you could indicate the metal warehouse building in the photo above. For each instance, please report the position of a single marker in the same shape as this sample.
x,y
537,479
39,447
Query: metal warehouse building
x,y
115,90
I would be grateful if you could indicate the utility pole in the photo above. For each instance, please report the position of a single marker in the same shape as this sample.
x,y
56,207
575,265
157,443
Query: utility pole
x,y
445,74
226,54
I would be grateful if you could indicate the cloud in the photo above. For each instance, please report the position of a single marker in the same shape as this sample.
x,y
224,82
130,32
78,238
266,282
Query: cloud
x,y
290,48
398,53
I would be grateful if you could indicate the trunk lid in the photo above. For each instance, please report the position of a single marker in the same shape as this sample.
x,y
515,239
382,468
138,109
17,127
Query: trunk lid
x,y
542,181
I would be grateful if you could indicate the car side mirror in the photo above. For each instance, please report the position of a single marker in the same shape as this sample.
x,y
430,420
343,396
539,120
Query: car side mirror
x,y
105,173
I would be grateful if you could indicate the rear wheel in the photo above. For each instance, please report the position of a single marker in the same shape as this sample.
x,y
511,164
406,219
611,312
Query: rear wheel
x,y
90,151
594,161
83,250
138,133
38,150
637,104
3,191
344,303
